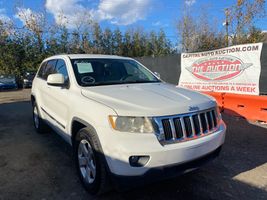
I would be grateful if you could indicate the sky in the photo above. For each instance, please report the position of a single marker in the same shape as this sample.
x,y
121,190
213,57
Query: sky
x,y
146,14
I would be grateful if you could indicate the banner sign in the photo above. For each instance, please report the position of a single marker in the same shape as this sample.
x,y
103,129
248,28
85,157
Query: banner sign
x,y
235,69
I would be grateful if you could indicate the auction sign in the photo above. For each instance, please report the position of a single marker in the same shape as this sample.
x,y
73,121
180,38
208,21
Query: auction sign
x,y
235,69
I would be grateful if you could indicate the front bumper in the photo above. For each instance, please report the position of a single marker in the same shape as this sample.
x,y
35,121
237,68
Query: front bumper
x,y
161,173
118,147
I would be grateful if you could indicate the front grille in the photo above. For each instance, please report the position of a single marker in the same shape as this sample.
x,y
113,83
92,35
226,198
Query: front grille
x,y
187,126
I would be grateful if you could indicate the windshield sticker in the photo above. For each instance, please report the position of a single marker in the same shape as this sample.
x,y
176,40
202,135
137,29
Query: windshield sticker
x,y
84,68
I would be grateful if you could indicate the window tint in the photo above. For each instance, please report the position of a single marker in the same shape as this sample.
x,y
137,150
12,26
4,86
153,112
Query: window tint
x,y
62,69
50,68
41,70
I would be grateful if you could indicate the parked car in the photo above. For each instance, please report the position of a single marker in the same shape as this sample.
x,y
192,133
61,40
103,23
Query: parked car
x,y
8,82
124,123
27,79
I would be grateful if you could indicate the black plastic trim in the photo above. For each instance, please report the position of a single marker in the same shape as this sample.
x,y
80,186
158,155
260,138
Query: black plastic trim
x,y
53,118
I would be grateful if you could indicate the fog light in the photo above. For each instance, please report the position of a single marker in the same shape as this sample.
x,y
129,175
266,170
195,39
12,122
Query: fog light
x,y
138,161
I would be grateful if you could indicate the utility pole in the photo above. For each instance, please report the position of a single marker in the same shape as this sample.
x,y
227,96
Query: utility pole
x,y
227,12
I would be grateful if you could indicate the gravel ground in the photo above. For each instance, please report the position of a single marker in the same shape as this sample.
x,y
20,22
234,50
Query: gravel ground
x,y
34,166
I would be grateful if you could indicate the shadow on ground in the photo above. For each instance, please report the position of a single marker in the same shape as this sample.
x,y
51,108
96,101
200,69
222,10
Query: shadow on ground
x,y
34,166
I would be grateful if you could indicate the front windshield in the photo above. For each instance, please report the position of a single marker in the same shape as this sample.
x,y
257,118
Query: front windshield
x,y
92,72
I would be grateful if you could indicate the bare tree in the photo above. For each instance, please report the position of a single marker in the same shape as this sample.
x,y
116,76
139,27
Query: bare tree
x,y
187,29
242,18
198,33
35,23
6,28
81,25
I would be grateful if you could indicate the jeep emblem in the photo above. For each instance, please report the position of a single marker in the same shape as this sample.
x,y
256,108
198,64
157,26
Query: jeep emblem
x,y
193,108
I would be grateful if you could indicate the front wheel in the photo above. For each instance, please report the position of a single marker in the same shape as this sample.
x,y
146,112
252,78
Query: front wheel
x,y
90,162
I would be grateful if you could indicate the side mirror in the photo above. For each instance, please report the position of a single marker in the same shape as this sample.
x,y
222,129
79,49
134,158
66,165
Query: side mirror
x,y
157,74
56,80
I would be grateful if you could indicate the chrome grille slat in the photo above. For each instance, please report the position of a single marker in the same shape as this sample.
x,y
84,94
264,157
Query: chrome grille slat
x,y
200,124
172,129
214,117
185,127
207,123
193,126
212,120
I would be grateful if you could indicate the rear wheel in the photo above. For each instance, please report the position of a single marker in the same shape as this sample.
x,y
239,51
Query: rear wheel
x,y
39,124
90,162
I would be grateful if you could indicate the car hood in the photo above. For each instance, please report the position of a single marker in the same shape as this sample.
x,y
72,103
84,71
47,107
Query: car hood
x,y
150,99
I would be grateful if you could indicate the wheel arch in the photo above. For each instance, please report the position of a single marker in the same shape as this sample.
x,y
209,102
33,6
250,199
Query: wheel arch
x,y
76,125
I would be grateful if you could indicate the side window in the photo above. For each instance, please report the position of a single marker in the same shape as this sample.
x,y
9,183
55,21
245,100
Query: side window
x,y
41,70
61,68
50,68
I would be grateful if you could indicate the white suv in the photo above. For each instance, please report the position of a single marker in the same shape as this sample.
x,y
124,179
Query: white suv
x,y
123,122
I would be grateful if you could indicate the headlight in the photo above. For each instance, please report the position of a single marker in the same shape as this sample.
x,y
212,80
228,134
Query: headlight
x,y
25,80
132,124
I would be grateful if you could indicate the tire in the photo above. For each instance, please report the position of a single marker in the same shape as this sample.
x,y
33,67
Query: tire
x,y
39,124
90,162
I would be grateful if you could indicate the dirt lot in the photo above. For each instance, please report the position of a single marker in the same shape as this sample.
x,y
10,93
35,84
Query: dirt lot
x,y
34,166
